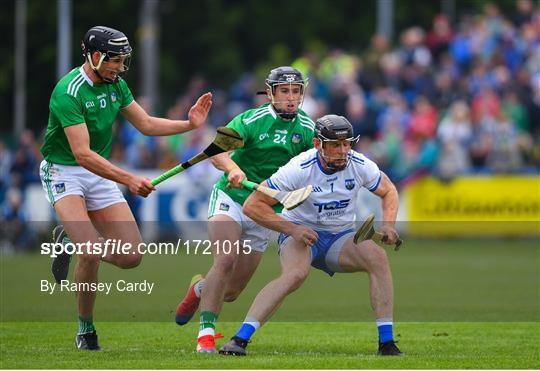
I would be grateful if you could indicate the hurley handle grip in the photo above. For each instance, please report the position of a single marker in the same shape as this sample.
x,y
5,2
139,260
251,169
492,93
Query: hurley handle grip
x,y
169,173
250,185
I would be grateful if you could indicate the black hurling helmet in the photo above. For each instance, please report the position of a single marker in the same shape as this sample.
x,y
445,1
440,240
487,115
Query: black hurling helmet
x,y
281,76
333,128
110,43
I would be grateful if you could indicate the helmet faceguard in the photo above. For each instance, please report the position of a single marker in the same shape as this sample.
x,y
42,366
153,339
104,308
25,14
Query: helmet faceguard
x,y
285,76
333,128
110,43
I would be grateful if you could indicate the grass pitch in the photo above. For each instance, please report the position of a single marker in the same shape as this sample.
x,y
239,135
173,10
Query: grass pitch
x,y
276,346
458,304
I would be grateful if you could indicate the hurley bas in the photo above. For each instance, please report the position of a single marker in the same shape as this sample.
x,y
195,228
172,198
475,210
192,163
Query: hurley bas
x,y
106,287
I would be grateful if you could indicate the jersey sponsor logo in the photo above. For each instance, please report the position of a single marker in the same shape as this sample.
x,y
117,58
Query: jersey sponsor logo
x,y
296,138
332,205
89,104
349,184
60,188
223,206
281,131
263,136
332,179
113,96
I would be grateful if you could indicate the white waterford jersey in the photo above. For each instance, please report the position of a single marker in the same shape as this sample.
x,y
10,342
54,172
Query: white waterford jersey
x,y
332,204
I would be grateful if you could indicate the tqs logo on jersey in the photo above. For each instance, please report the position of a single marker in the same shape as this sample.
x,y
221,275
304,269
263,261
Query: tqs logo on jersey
x,y
113,96
296,138
263,136
332,205
349,184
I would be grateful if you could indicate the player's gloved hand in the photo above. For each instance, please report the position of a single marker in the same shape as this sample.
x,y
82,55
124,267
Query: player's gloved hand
x,y
390,235
305,235
235,178
140,186
199,111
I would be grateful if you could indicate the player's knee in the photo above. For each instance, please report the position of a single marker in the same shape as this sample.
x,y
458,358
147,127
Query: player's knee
x,y
295,277
130,261
225,264
232,295
378,260
89,260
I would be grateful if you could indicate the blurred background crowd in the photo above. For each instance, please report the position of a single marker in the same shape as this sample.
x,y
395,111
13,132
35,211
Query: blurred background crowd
x,y
455,98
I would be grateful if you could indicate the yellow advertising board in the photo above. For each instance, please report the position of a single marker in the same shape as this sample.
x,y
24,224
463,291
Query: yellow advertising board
x,y
474,205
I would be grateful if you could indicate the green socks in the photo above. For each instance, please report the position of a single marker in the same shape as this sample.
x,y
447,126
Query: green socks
x,y
85,326
207,323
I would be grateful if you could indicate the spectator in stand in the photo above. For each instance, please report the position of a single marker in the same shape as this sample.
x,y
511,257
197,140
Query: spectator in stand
x,y
5,169
455,135
447,91
423,120
373,73
504,153
485,104
524,13
391,66
24,169
397,112
13,223
515,111
361,118
439,38
461,46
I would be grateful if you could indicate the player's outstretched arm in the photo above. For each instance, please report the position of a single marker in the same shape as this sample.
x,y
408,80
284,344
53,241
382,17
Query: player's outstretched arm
x,y
390,202
156,126
79,141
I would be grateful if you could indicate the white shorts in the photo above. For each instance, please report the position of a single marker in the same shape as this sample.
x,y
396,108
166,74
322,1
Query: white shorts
x,y
60,181
221,204
326,251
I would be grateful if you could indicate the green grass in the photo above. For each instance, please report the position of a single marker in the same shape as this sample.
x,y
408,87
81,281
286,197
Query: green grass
x,y
458,304
276,346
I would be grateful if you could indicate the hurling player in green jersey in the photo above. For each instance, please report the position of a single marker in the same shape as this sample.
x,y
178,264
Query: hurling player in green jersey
x,y
79,180
273,134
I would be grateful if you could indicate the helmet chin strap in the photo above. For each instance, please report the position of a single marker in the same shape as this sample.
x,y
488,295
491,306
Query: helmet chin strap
x,y
331,168
96,68
287,116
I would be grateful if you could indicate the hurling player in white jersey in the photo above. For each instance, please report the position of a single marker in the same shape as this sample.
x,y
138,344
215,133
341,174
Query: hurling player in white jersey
x,y
320,232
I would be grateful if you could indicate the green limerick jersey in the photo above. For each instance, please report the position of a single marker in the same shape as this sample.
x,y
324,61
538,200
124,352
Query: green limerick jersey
x,y
269,143
76,100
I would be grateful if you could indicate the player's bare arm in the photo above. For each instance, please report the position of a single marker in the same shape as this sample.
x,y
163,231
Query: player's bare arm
x,y
224,163
156,126
390,202
79,142
258,207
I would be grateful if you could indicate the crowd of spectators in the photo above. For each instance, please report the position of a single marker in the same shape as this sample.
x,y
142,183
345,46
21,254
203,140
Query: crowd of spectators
x,y
461,97
454,99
